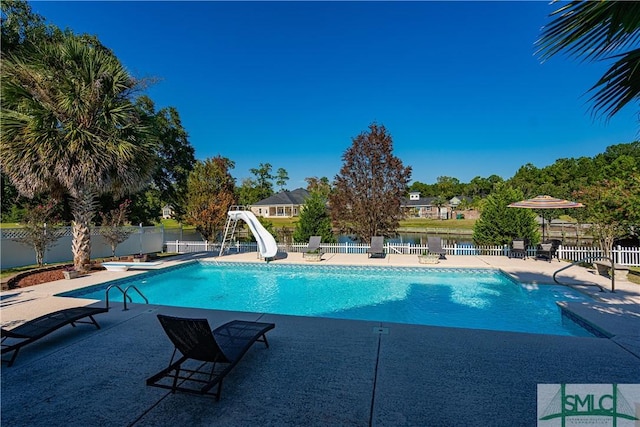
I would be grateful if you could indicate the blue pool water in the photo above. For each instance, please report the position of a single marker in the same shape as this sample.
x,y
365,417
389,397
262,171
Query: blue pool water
x,y
466,298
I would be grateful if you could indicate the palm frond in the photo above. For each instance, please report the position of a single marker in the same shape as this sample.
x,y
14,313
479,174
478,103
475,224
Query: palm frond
x,y
619,86
591,29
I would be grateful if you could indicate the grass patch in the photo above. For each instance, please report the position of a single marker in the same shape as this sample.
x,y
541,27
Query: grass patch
x,y
634,275
172,223
10,225
283,222
466,224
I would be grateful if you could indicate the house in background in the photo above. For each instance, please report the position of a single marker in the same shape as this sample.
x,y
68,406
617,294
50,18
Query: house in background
x,y
167,212
420,207
423,207
284,204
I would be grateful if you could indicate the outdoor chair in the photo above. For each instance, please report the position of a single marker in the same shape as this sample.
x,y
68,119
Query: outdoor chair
x,y
221,348
555,244
434,246
313,246
14,339
545,251
376,249
518,248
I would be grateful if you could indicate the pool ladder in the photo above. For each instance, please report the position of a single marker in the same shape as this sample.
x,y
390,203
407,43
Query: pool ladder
x,y
125,295
590,258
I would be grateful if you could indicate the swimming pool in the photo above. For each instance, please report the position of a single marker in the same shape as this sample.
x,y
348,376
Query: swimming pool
x,y
466,298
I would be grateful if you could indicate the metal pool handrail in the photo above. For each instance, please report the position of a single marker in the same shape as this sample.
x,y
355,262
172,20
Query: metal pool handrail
x,y
130,300
118,288
590,258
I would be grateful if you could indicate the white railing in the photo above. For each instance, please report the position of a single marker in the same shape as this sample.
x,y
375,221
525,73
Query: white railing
x,y
624,256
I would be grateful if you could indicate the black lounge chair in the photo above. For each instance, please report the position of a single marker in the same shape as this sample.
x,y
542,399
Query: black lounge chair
x,y
376,250
313,246
518,248
434,246
222,348
37,328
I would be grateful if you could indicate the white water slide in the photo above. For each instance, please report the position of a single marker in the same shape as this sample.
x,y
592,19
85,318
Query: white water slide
x,y
267,245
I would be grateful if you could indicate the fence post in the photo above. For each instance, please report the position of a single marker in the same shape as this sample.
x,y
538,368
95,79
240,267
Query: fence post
x,y
140,232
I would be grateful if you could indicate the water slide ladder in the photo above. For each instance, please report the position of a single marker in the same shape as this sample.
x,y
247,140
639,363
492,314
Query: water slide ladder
x,y
229,231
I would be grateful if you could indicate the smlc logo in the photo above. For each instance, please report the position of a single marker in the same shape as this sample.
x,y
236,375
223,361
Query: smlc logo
x,y
616,405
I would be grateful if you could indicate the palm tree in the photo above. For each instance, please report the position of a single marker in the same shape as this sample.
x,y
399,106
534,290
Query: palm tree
x,y
69,127
439,202
596,30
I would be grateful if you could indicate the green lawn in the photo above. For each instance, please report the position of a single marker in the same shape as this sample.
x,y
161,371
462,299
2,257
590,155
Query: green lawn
x,y
10,225
466,224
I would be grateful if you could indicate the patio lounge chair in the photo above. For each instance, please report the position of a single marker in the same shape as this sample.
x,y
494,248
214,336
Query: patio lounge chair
x,y
518,248
37,328
313,246
376,250
222,348
434,246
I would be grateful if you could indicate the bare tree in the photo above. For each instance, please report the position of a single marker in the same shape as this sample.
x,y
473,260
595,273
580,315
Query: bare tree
x,y
113,230
370,187
37,234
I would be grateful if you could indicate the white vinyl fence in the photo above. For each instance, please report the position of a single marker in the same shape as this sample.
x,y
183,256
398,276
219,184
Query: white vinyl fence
x,y
624,256
16,254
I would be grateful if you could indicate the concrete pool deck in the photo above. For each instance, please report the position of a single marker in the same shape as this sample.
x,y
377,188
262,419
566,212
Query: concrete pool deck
x,y
317,371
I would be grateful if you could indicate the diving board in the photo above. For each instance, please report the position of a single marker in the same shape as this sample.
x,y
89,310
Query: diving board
x,y
124,266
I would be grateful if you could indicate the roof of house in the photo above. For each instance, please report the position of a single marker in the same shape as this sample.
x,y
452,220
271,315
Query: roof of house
x,y
295,197
423,201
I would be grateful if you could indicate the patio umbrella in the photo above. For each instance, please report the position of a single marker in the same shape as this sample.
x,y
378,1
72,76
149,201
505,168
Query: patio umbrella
x,y
545,202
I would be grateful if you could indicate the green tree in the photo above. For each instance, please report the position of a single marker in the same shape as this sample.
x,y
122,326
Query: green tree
x,y
22,27
210,193
318,185
248,192
314,220
439,202
613,208
447,187
500,224
599,30
425,190
175,157
281,178
370,187
69,126
263,178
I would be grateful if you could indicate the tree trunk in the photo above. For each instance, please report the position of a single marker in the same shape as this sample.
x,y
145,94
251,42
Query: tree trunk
x,y
83,209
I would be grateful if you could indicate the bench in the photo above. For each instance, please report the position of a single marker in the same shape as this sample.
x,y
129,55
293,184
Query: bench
x,y
603,269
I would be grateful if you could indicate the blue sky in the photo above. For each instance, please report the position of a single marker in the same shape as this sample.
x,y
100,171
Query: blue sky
x,y
291,83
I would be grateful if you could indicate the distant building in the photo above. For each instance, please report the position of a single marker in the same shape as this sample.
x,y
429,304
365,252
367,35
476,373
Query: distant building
x,y
285,204
420,207
423,207
167,212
